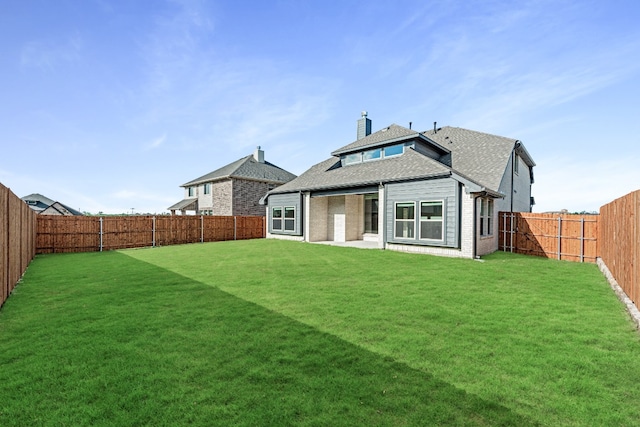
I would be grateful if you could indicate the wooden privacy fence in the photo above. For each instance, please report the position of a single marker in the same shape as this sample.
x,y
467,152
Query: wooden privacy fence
x,y
17,240
91,234
620,242
559,236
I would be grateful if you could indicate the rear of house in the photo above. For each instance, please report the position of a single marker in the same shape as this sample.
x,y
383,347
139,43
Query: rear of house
x,y
435,192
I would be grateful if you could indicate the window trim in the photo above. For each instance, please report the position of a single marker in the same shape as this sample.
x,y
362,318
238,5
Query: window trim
x,y
191,191
385,155
285,219
396,220
486,216
516,163
280,218
441,220
207,188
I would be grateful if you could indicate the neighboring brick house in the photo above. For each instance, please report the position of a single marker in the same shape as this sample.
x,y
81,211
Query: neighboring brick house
x,y
45,206
435,192
234,189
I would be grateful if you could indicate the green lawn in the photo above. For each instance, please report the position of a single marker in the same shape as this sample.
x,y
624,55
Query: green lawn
x,y
280,333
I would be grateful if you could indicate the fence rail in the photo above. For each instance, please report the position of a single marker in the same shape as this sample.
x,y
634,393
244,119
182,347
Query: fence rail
x,y
17,240
620,242
563,237
91,234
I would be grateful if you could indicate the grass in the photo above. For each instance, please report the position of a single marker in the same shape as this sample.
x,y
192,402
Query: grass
x,y
269,332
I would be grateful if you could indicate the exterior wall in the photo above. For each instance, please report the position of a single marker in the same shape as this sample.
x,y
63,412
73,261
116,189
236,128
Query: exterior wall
x,y
487,244
521,192
222,195
445,190
286,200
354,211
247,195
318,219
466,232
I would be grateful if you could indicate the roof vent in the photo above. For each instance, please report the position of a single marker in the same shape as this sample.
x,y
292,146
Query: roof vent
x,y
435,129
364,126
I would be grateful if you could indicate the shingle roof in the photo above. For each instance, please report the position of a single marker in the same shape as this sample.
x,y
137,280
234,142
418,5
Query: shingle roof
x,y
324,175
480,156
388,134
248,168
476,156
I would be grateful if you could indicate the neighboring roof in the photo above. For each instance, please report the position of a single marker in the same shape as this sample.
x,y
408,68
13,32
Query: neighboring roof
x,y
38,198
184,204
410,165
58,208
477,158
248,168
480,156
40,204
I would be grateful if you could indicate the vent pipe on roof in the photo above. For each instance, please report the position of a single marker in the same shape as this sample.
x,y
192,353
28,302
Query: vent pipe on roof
x,y
258,155
435,129
410,123
364,126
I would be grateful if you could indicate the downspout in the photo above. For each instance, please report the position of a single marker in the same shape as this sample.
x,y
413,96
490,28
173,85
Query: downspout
x,y
513,159
384,217
475,226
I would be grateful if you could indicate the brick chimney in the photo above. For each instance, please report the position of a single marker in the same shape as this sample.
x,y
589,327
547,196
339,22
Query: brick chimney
x,y
364,126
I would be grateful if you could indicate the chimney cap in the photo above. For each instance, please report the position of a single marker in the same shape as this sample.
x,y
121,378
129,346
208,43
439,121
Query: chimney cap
x,y
364,113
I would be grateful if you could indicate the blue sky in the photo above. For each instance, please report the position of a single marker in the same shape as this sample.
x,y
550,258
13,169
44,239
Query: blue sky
x,y
109,106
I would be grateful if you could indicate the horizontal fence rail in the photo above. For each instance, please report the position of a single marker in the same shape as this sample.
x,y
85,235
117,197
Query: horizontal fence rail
x,y
17,240
91,234
560,236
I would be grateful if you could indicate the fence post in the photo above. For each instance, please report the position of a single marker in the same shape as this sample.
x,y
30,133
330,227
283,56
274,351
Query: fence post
x,y
100,234
153,233
234,228
511,232
201,228
582,239
559,236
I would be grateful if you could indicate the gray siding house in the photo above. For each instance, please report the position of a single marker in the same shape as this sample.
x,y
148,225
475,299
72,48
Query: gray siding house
x,y
435,192
234,189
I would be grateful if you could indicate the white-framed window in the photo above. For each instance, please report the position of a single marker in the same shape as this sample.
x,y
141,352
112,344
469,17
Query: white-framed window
x,y
405,220
191,191
486,217
283,218
350,159
207,188
432,220
393,150
516,163
374,154
276,218
289,218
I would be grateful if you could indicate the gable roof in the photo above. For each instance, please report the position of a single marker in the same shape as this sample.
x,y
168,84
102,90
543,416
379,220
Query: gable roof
x,y
481,156
40,203
247,168
325,175
477,159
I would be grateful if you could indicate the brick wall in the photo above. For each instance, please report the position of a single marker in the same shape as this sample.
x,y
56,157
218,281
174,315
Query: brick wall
x,y
222,192
247,195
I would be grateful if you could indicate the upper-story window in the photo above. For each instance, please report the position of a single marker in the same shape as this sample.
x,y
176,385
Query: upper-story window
x,y
207,188
191,191
516,163
374,154
352,158
394,150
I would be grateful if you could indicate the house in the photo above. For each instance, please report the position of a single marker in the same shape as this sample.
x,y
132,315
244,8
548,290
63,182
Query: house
x,y
45,206
234,189
435,192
